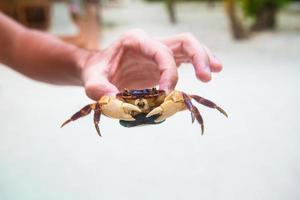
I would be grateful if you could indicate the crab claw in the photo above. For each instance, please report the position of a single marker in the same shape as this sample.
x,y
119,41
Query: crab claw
x,y
114,108
173,103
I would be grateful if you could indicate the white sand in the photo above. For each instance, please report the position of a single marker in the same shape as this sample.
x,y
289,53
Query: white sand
x,y
252,155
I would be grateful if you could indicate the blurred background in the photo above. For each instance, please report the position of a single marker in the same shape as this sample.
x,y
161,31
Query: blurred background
x,y
254,154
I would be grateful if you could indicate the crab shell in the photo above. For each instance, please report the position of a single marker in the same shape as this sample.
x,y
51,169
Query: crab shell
x,y
146,100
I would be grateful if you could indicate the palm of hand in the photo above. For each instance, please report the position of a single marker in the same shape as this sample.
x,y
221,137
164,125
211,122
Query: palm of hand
x,y
135,71
137,61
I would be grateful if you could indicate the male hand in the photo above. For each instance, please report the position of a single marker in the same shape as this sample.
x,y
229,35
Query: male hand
x,y
137,61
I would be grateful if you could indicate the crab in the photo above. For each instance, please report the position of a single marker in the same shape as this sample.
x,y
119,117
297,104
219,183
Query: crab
x,y
144,107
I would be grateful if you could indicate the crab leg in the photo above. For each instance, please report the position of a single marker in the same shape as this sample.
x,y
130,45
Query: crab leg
x,y
97,115
208,103
109,106
189,105
81,113
194,111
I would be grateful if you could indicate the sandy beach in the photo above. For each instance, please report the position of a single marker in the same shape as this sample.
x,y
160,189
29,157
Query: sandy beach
x,y
254,154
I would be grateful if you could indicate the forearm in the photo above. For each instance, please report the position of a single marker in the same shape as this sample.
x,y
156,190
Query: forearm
x,y
38,55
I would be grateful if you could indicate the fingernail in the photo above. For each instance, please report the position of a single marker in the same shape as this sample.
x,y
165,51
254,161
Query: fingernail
x,y
207,69
216,59
114,93
166,88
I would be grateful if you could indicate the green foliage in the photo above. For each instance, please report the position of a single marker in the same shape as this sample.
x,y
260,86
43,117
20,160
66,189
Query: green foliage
x,y
251,7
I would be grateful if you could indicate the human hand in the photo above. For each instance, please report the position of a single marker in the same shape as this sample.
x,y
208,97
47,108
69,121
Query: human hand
x,y
138,61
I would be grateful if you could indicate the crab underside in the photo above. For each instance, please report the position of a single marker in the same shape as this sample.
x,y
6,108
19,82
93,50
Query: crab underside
x,y
140,120
144,107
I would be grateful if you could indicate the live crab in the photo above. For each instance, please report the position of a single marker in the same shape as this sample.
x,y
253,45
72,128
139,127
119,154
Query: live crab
x,y
147,106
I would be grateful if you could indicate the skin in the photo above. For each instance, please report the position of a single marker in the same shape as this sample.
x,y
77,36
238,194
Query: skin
x,y
134,61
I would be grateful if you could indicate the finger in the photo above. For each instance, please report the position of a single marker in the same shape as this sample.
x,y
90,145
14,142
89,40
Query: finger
x,y
203,61
202,67
97,87
215,64
165,62
159,53
198,56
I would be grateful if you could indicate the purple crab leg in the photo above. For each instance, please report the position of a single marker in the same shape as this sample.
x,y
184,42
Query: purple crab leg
x,y
189,105
208,103
194,111
81,113
97,115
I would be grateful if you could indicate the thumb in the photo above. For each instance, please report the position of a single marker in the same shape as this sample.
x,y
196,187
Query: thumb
x,y
96,88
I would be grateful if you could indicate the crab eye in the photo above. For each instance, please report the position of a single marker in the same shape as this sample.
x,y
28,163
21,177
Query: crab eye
x,y
126,92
